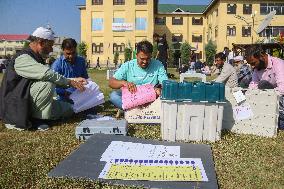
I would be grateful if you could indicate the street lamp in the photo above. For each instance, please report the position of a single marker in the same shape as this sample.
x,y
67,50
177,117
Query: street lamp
x,y
252,16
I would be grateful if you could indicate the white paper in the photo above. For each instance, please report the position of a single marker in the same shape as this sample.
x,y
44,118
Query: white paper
x,y
87,99
133,150
242,112
196,162
239,96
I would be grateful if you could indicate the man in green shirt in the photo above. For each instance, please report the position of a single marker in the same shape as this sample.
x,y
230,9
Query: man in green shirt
x,y
28,87
140,71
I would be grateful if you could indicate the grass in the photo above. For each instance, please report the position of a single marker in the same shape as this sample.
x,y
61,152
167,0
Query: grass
x,y
241,161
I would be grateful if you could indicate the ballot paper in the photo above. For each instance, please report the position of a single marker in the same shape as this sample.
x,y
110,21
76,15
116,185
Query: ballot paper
x,y
87,99
242,112
118,149
178,169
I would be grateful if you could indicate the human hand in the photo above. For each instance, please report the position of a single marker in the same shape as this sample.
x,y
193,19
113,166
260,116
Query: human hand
x,y
131,87
158,91
77,83
81,80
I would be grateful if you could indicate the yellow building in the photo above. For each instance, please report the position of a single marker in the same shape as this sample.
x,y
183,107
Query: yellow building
x,y
10,44
108,26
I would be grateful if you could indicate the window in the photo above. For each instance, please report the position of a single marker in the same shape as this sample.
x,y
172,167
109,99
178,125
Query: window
x,y
118,20
177,38
216,32
160,21
266,8
9,49
97,24
272,31
197,21
141,2
1,49
97,49
97,2
231,8
231,31
177,21
118,2
141,23
197,38
199,55
118,48
247,8
246,31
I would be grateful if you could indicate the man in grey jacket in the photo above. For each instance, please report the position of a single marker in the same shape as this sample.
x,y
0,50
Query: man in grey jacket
x,y
28,87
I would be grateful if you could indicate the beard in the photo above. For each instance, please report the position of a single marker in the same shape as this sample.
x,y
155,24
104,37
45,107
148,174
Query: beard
x,y
261,65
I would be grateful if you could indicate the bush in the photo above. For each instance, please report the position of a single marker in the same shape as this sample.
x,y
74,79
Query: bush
x,y
115,58
171,56
127,54
82,49
185,52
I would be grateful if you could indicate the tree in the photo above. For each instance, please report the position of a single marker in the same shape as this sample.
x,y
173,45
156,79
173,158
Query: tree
x,y
155,50
185,52
210,51
26,44
127,54
82,49
171,56
115,58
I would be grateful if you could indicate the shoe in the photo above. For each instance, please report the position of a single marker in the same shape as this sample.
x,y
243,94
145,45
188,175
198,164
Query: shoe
x,y
10,126
40,125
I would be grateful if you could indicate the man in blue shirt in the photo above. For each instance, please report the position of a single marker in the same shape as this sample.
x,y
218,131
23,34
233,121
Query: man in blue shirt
x,y
140,71
70,66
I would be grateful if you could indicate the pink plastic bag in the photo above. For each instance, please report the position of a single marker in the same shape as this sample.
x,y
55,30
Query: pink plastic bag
x,y
145,94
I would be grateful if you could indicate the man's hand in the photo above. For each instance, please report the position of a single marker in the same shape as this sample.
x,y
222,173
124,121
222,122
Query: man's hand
x,y
131,86
78,83
158,91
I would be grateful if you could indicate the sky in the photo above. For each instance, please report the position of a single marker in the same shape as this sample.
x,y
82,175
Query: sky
x,y
24,16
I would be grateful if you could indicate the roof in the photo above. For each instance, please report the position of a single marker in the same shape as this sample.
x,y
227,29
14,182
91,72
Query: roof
x,y
185,9
12,37
210,5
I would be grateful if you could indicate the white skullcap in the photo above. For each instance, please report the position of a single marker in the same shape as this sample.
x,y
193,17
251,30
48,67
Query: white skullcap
x,y
239,58
43,33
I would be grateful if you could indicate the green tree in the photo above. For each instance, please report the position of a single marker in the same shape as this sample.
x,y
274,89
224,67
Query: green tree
x,y
26,44
127,54
185,52
115,58
155,50
210,51
82,49
171,57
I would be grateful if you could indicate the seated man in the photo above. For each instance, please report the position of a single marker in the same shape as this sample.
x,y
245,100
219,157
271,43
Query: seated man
x,y
244,71
140,71
268,73
70,66
228,74
28,87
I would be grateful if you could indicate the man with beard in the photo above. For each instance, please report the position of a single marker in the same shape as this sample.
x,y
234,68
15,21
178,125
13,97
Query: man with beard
x,y
268,73
70,65
28,87
228,74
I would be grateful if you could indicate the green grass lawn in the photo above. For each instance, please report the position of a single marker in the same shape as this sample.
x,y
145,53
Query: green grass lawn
x,y
241,161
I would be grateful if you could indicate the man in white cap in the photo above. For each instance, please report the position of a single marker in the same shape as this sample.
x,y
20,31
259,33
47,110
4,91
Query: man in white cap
x,y
28,87
244,71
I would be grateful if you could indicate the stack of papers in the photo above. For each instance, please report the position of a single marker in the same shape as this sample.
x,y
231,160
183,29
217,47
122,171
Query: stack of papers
x,y
137,161
87,99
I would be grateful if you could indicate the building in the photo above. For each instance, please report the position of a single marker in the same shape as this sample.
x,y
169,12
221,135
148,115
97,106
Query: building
x,y
109,26
10,44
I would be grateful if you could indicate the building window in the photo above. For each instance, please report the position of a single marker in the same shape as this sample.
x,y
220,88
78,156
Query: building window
x,y
160,21
231,8
97,2
177,21
97,48
9,49
118,20
141,23
247,8
231,31
197,21
197,38
97,24
118,2
216,32
266,8
177,38
141,2
118,48
272,31
246,31
1,49
199,55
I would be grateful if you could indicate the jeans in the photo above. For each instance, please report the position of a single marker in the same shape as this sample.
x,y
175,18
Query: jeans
x,y
116,98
